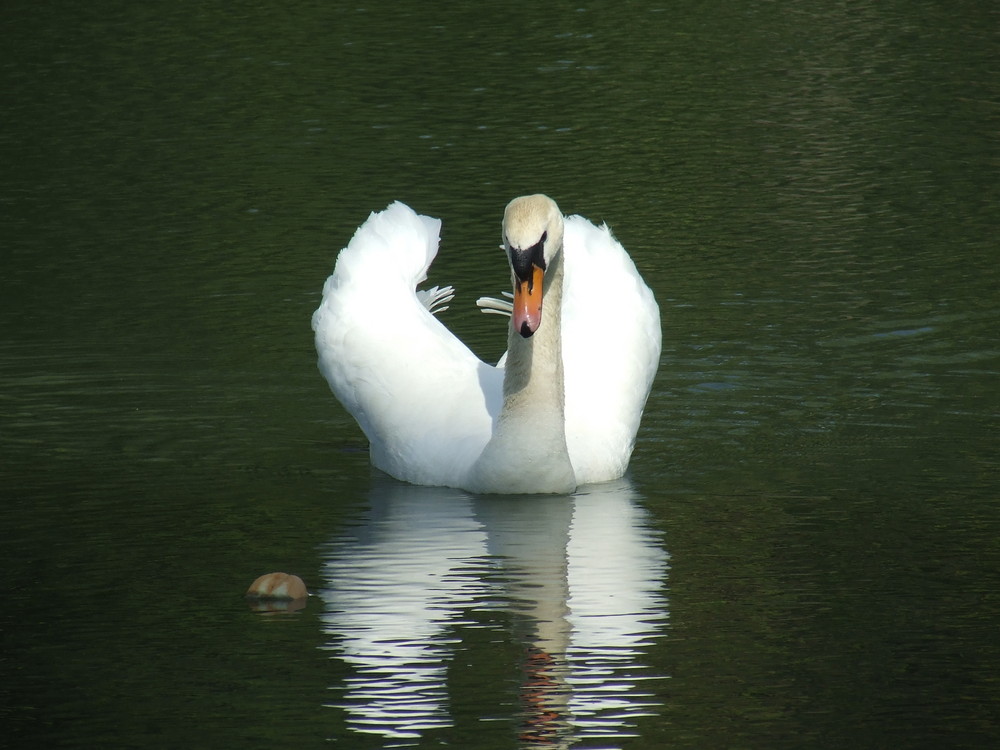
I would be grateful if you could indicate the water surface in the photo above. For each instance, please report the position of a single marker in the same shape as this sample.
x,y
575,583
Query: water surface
x,y
803,553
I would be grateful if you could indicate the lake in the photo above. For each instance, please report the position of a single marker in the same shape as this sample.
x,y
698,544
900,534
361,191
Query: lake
x,y
804,552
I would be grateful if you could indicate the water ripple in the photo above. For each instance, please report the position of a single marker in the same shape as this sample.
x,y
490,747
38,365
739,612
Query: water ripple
x,y
572,587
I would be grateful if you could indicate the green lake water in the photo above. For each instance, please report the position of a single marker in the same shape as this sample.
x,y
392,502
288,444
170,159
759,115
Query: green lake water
x,y
804,553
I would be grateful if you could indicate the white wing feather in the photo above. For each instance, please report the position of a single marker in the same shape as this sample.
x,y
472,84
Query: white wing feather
x,y
611,349
424,400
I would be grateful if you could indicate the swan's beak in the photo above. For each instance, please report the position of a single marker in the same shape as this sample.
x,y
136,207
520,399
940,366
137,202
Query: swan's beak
x,y
527,313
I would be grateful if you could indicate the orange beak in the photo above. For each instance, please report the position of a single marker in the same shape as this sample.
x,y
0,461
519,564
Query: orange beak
x,y
527,313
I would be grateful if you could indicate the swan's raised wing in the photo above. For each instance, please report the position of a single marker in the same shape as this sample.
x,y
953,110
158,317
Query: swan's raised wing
x,y
424,400
611,349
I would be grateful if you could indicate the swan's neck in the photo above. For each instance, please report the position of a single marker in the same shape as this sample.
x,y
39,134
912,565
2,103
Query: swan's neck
x,y
527,452
533,377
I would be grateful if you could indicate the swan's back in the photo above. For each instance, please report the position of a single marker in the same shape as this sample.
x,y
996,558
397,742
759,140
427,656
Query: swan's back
x,y
425,402
611,349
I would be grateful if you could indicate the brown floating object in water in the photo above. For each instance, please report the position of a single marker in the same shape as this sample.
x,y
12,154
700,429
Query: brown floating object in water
x,y
277,586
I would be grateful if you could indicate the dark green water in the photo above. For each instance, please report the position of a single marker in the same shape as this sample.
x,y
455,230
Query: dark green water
x,y
804,553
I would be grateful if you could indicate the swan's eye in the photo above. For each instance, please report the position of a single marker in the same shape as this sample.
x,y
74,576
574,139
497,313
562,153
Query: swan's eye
x,y
521,261
545,236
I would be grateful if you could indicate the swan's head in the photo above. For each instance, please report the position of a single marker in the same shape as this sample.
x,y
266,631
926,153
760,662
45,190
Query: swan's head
x,y
532,237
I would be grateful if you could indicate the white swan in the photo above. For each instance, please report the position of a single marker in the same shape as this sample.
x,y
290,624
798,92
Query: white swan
x,y
562,407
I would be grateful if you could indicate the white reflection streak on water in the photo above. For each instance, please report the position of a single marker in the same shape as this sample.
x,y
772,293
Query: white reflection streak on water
x,y
584,572
617,576
392,588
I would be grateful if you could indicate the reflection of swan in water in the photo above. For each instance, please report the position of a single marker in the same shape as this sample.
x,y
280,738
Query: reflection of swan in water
x,y
576,583
392,588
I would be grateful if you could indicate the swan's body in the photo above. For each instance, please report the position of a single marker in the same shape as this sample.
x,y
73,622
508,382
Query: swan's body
x,y
563,407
